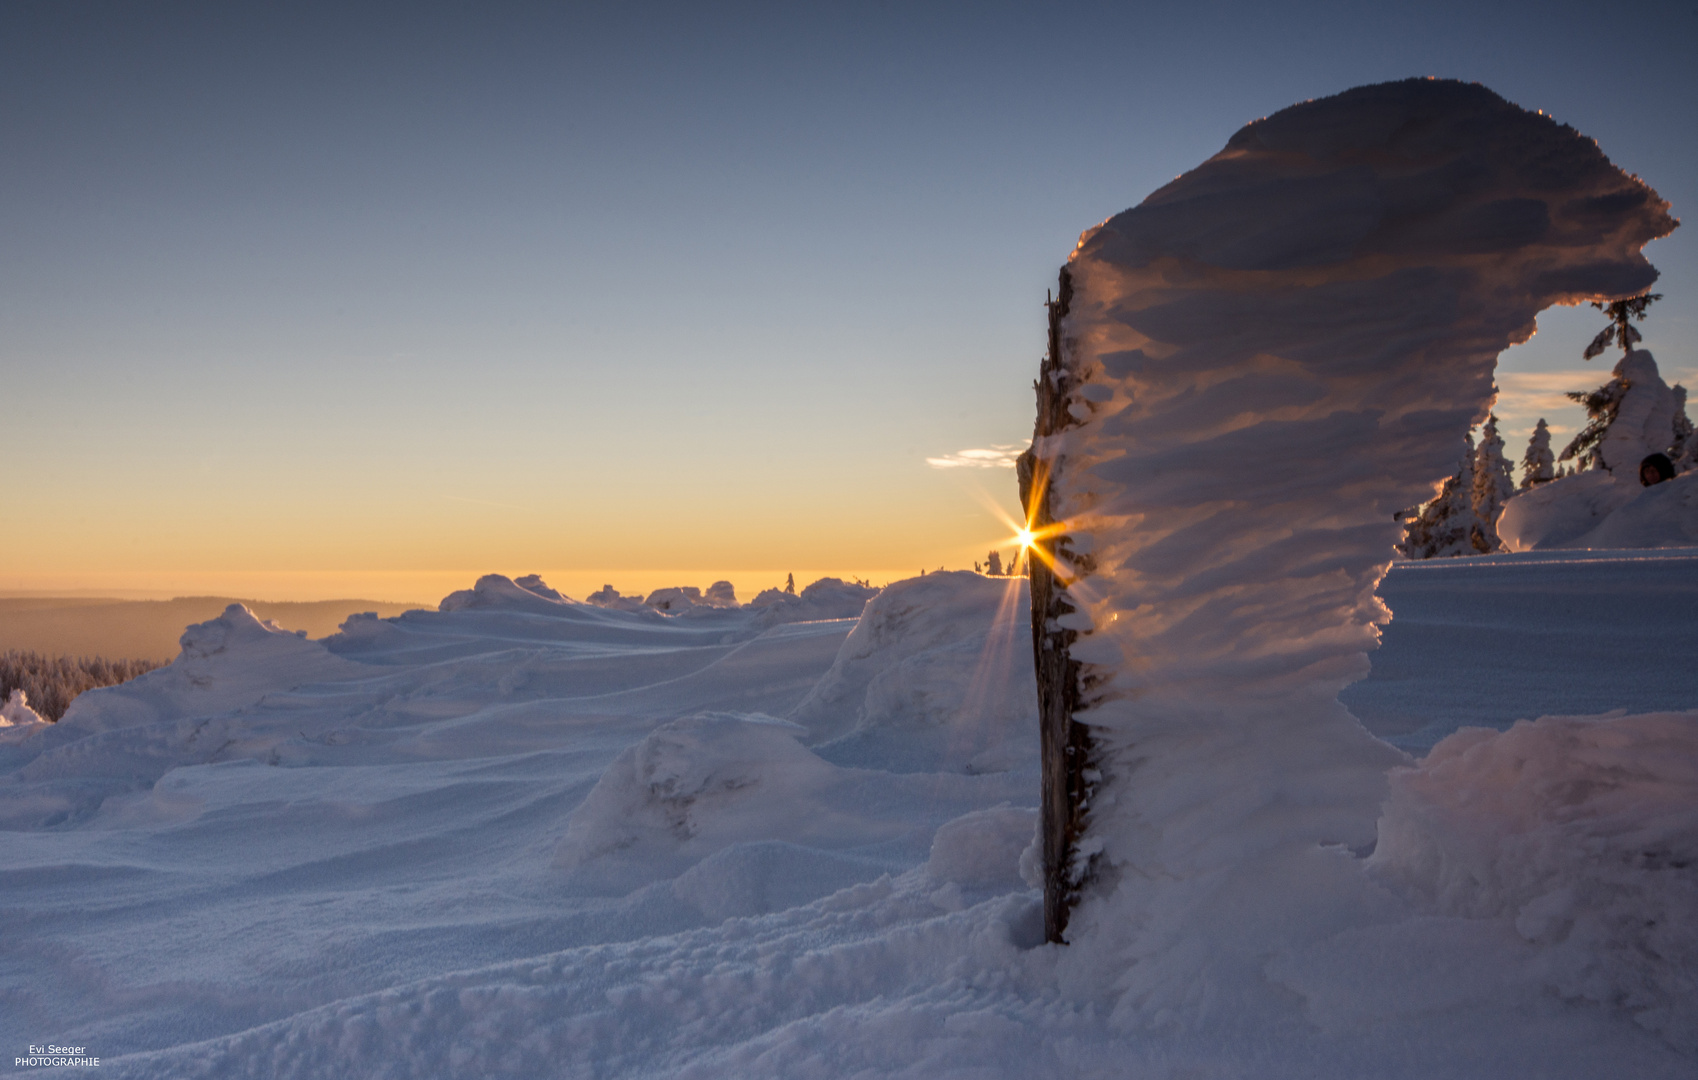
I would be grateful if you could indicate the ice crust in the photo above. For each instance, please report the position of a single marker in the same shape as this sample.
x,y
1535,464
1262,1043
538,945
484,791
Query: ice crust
x,y
1269,358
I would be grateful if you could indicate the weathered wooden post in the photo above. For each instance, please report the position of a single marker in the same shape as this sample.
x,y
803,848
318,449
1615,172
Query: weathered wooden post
x,y
1066,744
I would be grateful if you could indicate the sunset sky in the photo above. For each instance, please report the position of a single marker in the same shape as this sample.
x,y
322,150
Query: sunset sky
x,y
308,301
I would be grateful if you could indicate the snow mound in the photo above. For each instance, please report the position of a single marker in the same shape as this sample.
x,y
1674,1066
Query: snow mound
x,y
1662,515
827,598
226,663
1556,514
533,583
1263,363
1584,832
608,597
1594,509
694,787
936,669
720,594
678,598
500,593
983,849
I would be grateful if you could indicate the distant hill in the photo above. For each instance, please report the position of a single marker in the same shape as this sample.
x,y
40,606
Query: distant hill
x,y
149,629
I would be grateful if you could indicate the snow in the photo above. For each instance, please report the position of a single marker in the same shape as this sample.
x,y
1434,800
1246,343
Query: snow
x,y
497,591
608,597
1284,348
1578,829
503,841
929,671
1594,509
524,836
1518,636
1563,511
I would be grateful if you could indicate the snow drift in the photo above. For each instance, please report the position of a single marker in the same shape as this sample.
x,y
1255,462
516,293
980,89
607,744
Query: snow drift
x,y
1584,832
1264,362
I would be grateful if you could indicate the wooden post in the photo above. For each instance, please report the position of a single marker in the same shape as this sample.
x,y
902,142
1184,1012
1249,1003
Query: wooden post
x,y
1066,744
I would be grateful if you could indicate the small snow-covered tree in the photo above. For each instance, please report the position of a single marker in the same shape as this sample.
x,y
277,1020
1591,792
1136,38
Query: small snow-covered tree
x,y
790,584
1448,525
1494,484
1635,413
993,564
1538,466
1621,331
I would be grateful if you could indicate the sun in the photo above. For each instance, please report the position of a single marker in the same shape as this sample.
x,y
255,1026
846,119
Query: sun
x,y
1025,538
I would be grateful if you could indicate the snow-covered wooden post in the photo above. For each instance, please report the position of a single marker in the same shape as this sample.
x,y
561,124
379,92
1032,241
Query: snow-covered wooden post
x,y
1066,744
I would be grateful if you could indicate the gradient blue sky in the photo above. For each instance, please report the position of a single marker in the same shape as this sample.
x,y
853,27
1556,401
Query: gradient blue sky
x,y
302,301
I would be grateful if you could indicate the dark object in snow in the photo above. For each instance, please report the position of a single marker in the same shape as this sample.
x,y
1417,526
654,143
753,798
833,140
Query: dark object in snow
x,y
1067,748
1655,469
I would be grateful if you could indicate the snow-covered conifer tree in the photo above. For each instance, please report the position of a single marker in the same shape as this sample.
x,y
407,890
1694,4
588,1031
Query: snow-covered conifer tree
x,y
1620,331
1448,525
1635,413
994,564
1494,485
1601,407
1538,466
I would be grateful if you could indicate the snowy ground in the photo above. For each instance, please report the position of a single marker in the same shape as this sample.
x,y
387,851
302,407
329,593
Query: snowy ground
x,y
1492,640
527,838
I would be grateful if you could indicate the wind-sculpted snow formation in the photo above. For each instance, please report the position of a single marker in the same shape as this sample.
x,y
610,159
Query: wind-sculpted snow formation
x,y
1262,364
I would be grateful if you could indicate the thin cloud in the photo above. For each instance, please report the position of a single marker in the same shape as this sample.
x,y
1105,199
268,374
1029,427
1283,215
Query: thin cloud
x,y
995,457
1542,392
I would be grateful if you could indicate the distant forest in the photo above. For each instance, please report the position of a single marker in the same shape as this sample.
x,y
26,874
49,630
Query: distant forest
x,y
51,683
